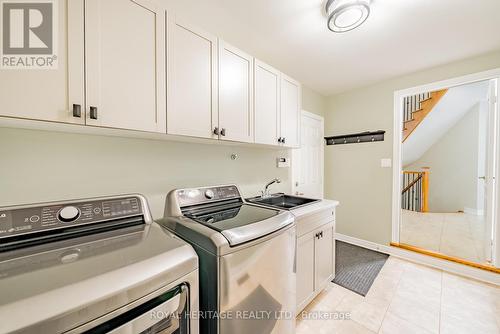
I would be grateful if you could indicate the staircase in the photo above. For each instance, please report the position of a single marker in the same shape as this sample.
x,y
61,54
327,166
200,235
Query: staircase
x,y
417,107
415,193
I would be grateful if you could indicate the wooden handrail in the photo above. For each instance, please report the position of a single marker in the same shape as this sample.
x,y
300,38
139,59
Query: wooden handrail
x,y
422,188
408,187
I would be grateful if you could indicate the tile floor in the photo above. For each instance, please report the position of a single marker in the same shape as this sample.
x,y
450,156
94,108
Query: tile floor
x,y
406,298
456,234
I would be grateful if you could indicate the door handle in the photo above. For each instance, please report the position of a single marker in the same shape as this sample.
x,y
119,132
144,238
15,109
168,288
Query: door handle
x,y
93,112
77,110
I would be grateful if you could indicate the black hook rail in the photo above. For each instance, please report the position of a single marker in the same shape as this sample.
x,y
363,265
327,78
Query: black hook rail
x,y
354,138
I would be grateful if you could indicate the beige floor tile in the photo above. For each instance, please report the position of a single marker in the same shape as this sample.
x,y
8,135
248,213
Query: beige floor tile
x,y
468,305
458,319
421,300
328,299
417,299
368,312
344,327
395,325
455,234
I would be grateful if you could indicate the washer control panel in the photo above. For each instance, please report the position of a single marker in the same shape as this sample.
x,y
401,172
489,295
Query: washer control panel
x,y
195,196
29,219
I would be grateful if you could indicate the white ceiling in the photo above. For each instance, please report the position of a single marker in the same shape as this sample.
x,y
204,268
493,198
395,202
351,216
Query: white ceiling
x,y
399,37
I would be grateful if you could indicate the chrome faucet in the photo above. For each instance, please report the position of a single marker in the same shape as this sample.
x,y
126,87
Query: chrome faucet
x,y
265,192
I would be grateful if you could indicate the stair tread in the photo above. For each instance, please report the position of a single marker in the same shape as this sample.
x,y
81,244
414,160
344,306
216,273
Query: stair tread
x,y
418,116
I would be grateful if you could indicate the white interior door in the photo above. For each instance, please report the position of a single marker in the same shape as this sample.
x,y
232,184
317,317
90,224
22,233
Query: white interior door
x,y
307,161
489,179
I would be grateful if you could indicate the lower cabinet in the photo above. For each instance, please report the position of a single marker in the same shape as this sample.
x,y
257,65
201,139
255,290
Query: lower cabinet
x,y
315,262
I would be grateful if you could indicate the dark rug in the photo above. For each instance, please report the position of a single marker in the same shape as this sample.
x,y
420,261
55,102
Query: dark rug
x,y
356,267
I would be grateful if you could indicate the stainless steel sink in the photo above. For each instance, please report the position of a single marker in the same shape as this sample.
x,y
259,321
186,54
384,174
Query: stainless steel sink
x,y
282,201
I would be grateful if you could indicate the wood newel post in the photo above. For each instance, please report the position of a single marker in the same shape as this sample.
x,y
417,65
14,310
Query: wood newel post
x,y
425,191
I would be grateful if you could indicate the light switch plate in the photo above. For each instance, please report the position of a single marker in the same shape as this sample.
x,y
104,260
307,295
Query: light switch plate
x,y
385,163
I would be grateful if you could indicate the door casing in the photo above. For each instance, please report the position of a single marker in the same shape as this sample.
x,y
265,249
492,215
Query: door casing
x,y
493,74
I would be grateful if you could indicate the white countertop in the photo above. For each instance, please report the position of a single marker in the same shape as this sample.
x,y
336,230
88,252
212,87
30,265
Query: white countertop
x,y
315,207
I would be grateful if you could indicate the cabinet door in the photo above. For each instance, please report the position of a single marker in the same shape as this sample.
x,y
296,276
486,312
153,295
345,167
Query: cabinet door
x,y
267,103
305,269
235,94
49,94
290,111
323,248
192,81
125,64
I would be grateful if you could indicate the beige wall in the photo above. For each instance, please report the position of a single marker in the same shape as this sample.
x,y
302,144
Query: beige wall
x,y
43,166
453,162
352,172
313,102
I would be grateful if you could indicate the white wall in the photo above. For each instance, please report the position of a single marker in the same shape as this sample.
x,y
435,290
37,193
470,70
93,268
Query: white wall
x,y
453,163
352,172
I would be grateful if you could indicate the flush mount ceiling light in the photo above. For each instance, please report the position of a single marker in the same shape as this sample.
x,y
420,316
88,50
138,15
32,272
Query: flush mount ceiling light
x,y
345,15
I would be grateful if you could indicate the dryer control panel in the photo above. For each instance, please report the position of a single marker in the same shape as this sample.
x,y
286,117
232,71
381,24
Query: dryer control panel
x,y
42,218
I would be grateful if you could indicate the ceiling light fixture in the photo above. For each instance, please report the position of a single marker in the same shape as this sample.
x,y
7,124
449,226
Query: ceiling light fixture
x,y
346,15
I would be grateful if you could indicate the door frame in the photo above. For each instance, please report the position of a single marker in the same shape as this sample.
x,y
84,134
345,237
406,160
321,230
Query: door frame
x,y
397,148
294,168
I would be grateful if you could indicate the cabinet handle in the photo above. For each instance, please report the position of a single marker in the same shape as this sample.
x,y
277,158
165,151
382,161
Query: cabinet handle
x,y
321,234
93,112
77,110
280,140
283,140
223,132
216,131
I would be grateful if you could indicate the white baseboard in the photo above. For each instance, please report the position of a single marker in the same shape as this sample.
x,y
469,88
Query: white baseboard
x,y
475,212
448,266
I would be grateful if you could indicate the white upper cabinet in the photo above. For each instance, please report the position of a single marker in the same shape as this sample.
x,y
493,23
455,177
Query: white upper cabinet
x,y
192,81
267,104
290,111
128,64
49,94
125,64
235,94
